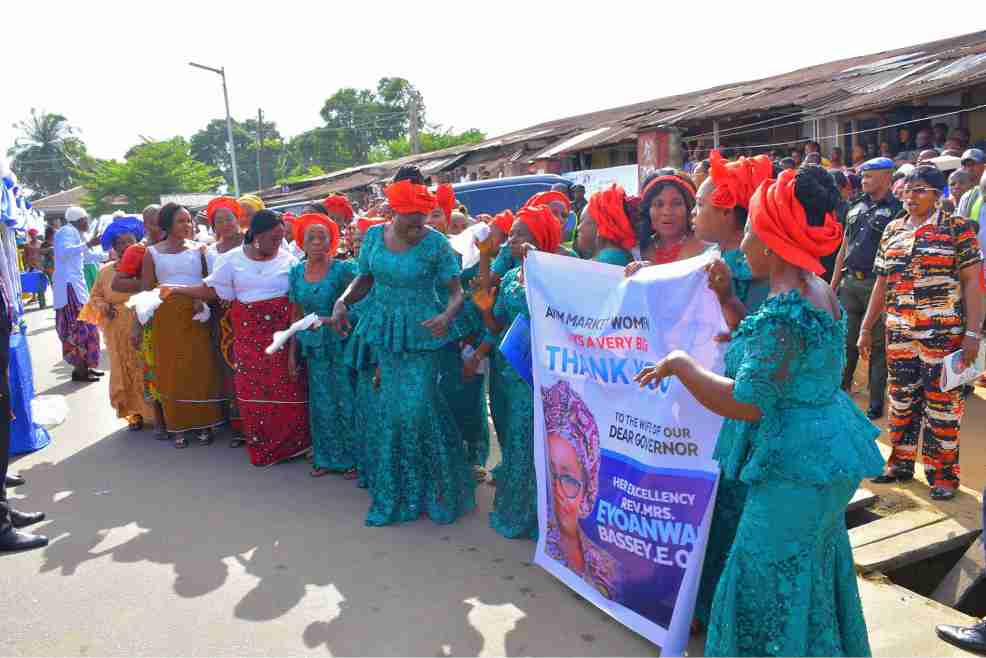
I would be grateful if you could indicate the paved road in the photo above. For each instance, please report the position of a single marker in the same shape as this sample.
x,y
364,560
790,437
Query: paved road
x,y
194,552
157,551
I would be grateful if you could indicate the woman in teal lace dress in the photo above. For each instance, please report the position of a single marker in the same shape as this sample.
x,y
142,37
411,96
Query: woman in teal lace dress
x,y
417,461
788,587
467,397
606,233
366,373
316,284
514,512
721,209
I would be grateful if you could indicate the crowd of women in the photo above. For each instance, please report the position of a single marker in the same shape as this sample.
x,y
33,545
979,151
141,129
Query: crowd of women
x,y
394,387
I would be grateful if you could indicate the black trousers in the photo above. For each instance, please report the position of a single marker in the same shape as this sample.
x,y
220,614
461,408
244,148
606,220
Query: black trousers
x,y
4,412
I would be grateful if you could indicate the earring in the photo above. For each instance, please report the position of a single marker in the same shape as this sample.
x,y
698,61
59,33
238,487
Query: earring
x,y
766,252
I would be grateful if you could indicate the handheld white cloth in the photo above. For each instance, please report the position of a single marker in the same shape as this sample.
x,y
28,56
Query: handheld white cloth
x,y
145,303
310,321
204,314
465,243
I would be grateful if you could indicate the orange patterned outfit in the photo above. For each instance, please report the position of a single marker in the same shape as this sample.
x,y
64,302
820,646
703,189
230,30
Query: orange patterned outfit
x,y
925,323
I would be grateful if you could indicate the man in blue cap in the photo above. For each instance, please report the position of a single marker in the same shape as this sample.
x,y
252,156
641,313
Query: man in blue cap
x,y
854,279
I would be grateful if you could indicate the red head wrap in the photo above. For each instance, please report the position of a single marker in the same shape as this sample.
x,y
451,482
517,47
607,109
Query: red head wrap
x,y
301,225
686,186
544,226
737,181
504,221
363,224
612,223
338,204
227,202
544,198
779,219
406,198
445,198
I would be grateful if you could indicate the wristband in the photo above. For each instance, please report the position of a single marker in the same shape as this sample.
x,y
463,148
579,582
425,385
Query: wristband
x,y
972,334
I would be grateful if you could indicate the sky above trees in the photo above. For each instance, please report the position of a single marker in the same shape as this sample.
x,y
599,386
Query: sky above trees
x,y
120,72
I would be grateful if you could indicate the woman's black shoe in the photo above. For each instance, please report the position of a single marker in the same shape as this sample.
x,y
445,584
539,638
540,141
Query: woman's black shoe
x,y
13,481
894,475
96,373
942,493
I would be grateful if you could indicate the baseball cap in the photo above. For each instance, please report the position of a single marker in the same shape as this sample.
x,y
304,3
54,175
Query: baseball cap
x,y
975,155
74,214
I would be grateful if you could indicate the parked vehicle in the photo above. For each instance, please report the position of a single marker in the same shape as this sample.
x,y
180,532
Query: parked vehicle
x,y
496,194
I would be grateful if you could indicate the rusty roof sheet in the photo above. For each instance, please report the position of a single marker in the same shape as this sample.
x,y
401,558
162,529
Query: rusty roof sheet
x,y
843,86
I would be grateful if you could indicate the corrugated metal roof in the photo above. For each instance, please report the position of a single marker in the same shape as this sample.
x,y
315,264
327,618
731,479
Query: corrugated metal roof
x,y
569,143
840,87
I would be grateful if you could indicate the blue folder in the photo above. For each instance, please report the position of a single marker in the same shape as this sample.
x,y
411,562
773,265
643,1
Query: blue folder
x,y
516,347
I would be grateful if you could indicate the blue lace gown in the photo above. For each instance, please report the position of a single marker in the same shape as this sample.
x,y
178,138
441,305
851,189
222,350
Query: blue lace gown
x,y
732,493
514,512
788,587
417,461
330,386
466,398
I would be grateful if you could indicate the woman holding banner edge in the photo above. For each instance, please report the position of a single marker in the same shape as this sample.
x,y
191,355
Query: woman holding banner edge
x,y
789,585
514,512
720,217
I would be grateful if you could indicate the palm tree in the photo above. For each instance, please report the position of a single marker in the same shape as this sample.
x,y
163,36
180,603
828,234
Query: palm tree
x,y
48,153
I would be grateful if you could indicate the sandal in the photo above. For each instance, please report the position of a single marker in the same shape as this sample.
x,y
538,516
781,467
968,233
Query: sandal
x,y
205,438
181,441
76,377
350,474
136,423
319,472
237,442
161,434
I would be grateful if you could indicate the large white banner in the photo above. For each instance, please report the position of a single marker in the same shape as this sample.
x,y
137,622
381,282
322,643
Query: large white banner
x,y
625,475
595,180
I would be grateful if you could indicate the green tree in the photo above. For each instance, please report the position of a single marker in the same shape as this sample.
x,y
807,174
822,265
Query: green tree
x,y
150,170
431,140
364,118
209,146
48,154
320,147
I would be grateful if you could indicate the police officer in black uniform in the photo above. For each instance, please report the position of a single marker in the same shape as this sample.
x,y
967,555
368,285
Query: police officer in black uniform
x,y
853,278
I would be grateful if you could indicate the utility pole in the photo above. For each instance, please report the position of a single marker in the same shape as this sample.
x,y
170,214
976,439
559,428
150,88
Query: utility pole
x,y
260,147
414,138
229,123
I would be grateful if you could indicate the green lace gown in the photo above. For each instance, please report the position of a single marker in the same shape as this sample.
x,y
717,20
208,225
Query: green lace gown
x,y
466,398
514,512
614,256
732,492
330,387
788,587
362,366
418,460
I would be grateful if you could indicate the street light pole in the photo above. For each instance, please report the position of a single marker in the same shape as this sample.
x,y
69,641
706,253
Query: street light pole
x,y
229,123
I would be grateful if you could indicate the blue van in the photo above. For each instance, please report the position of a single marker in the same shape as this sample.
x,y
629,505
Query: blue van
x,y
497,194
